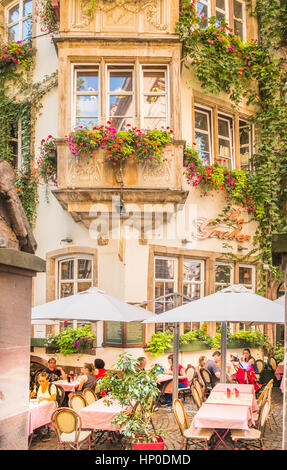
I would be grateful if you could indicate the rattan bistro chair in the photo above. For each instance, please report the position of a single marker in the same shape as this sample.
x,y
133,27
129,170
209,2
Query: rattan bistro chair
x,y
272,363
254,435
77,402
199,390
67,424
61,394
196,397
198,436
89,396
207,380
260,365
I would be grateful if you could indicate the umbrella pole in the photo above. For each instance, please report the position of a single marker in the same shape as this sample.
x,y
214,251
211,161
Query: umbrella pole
x,y
223,351
175,362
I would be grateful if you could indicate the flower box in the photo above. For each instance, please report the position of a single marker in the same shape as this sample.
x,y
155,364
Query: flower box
x,y
39,342
193,346
159,445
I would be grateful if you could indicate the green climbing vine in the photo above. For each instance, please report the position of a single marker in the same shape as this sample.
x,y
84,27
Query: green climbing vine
x,y
253,71
20,102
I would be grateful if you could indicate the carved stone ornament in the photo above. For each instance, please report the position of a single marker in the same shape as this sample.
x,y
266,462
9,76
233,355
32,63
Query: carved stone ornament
x,y
149,7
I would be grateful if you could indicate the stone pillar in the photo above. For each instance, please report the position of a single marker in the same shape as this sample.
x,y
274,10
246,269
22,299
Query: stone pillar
x,y
16,273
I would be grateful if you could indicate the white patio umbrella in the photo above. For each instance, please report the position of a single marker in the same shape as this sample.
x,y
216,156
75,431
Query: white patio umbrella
x,y
280,300
90,305
235,303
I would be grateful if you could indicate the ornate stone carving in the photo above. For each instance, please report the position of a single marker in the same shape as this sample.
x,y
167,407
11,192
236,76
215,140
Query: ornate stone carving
x,y
150,8
86,171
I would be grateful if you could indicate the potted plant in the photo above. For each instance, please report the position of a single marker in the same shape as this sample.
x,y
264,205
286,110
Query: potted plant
x,y
135,389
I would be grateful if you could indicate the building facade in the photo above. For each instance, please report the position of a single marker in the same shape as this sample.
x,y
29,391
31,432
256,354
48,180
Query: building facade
x,y
138,232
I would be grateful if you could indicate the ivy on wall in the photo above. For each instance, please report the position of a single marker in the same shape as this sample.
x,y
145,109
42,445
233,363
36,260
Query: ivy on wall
x,y
255,72
20,102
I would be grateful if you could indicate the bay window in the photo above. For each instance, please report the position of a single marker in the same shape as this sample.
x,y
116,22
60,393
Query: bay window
x,y
19,21
165,283
193,285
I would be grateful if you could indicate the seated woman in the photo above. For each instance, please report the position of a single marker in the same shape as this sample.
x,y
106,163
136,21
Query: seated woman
x,y
182,379
201,365
100,370
87,380
44,391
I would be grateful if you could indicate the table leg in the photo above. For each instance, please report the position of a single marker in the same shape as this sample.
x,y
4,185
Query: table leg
x,y
221,439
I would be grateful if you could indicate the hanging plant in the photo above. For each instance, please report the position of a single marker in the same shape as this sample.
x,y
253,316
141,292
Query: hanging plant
x,y
46,16
19,53
46,164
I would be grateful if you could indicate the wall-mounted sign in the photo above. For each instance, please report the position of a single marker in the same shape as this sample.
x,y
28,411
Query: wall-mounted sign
x,y
229,229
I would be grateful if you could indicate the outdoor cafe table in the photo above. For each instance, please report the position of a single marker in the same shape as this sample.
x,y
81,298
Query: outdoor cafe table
x,y
68,386
220,412
39,414
98,415
279,371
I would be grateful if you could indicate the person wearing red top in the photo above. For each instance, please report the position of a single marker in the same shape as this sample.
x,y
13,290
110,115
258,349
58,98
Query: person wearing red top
x,y
100,371
182,379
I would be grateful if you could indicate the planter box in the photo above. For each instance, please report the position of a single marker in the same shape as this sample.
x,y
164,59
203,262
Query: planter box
x,y
38,342
194,346
239,344
159,445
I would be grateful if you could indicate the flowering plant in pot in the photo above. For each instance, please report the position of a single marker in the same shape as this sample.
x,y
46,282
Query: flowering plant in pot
x,y
47,165
136,390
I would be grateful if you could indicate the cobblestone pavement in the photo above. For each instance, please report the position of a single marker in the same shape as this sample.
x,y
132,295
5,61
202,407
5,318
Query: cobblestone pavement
x,y
164,419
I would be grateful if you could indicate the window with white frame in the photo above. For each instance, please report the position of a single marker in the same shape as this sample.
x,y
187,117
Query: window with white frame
x,y
192,285
19,21
86,96
203,11
154,96
239,18
247,276
165,283
75,274
246,150
221,11
202,134
121,95
225,141
224,275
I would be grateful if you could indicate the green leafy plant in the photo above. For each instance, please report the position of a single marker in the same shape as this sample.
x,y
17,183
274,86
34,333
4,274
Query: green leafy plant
x,y
71,341
279,354
135,389
254,71
47,166
249,338
160,342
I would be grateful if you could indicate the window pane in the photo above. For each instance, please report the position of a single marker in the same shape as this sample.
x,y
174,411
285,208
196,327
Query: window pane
x,y
192,291
114,332
87,106
27,29
223,128
238,28
88,81
154,106
159,289
202,145
238,10
220,4
67,288
83,286
134,332
220,18
245,275
121,81
201,121
154,82
244,135
164,269
67,270
13,33
84,269
28,7
121,105
202,10
223,274
155,123
224,148
14,14
87,122
191,271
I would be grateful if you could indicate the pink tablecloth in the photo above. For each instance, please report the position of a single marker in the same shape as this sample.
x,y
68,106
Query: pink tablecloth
x,y
40,414
99,415
68,386
282,385
222,417
242,388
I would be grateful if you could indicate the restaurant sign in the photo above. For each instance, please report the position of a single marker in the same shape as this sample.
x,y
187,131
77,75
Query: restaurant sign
x,y
228,229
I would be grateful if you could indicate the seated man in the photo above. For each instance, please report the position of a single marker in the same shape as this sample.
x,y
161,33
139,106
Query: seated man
x,y
142,363
213,367
54,372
